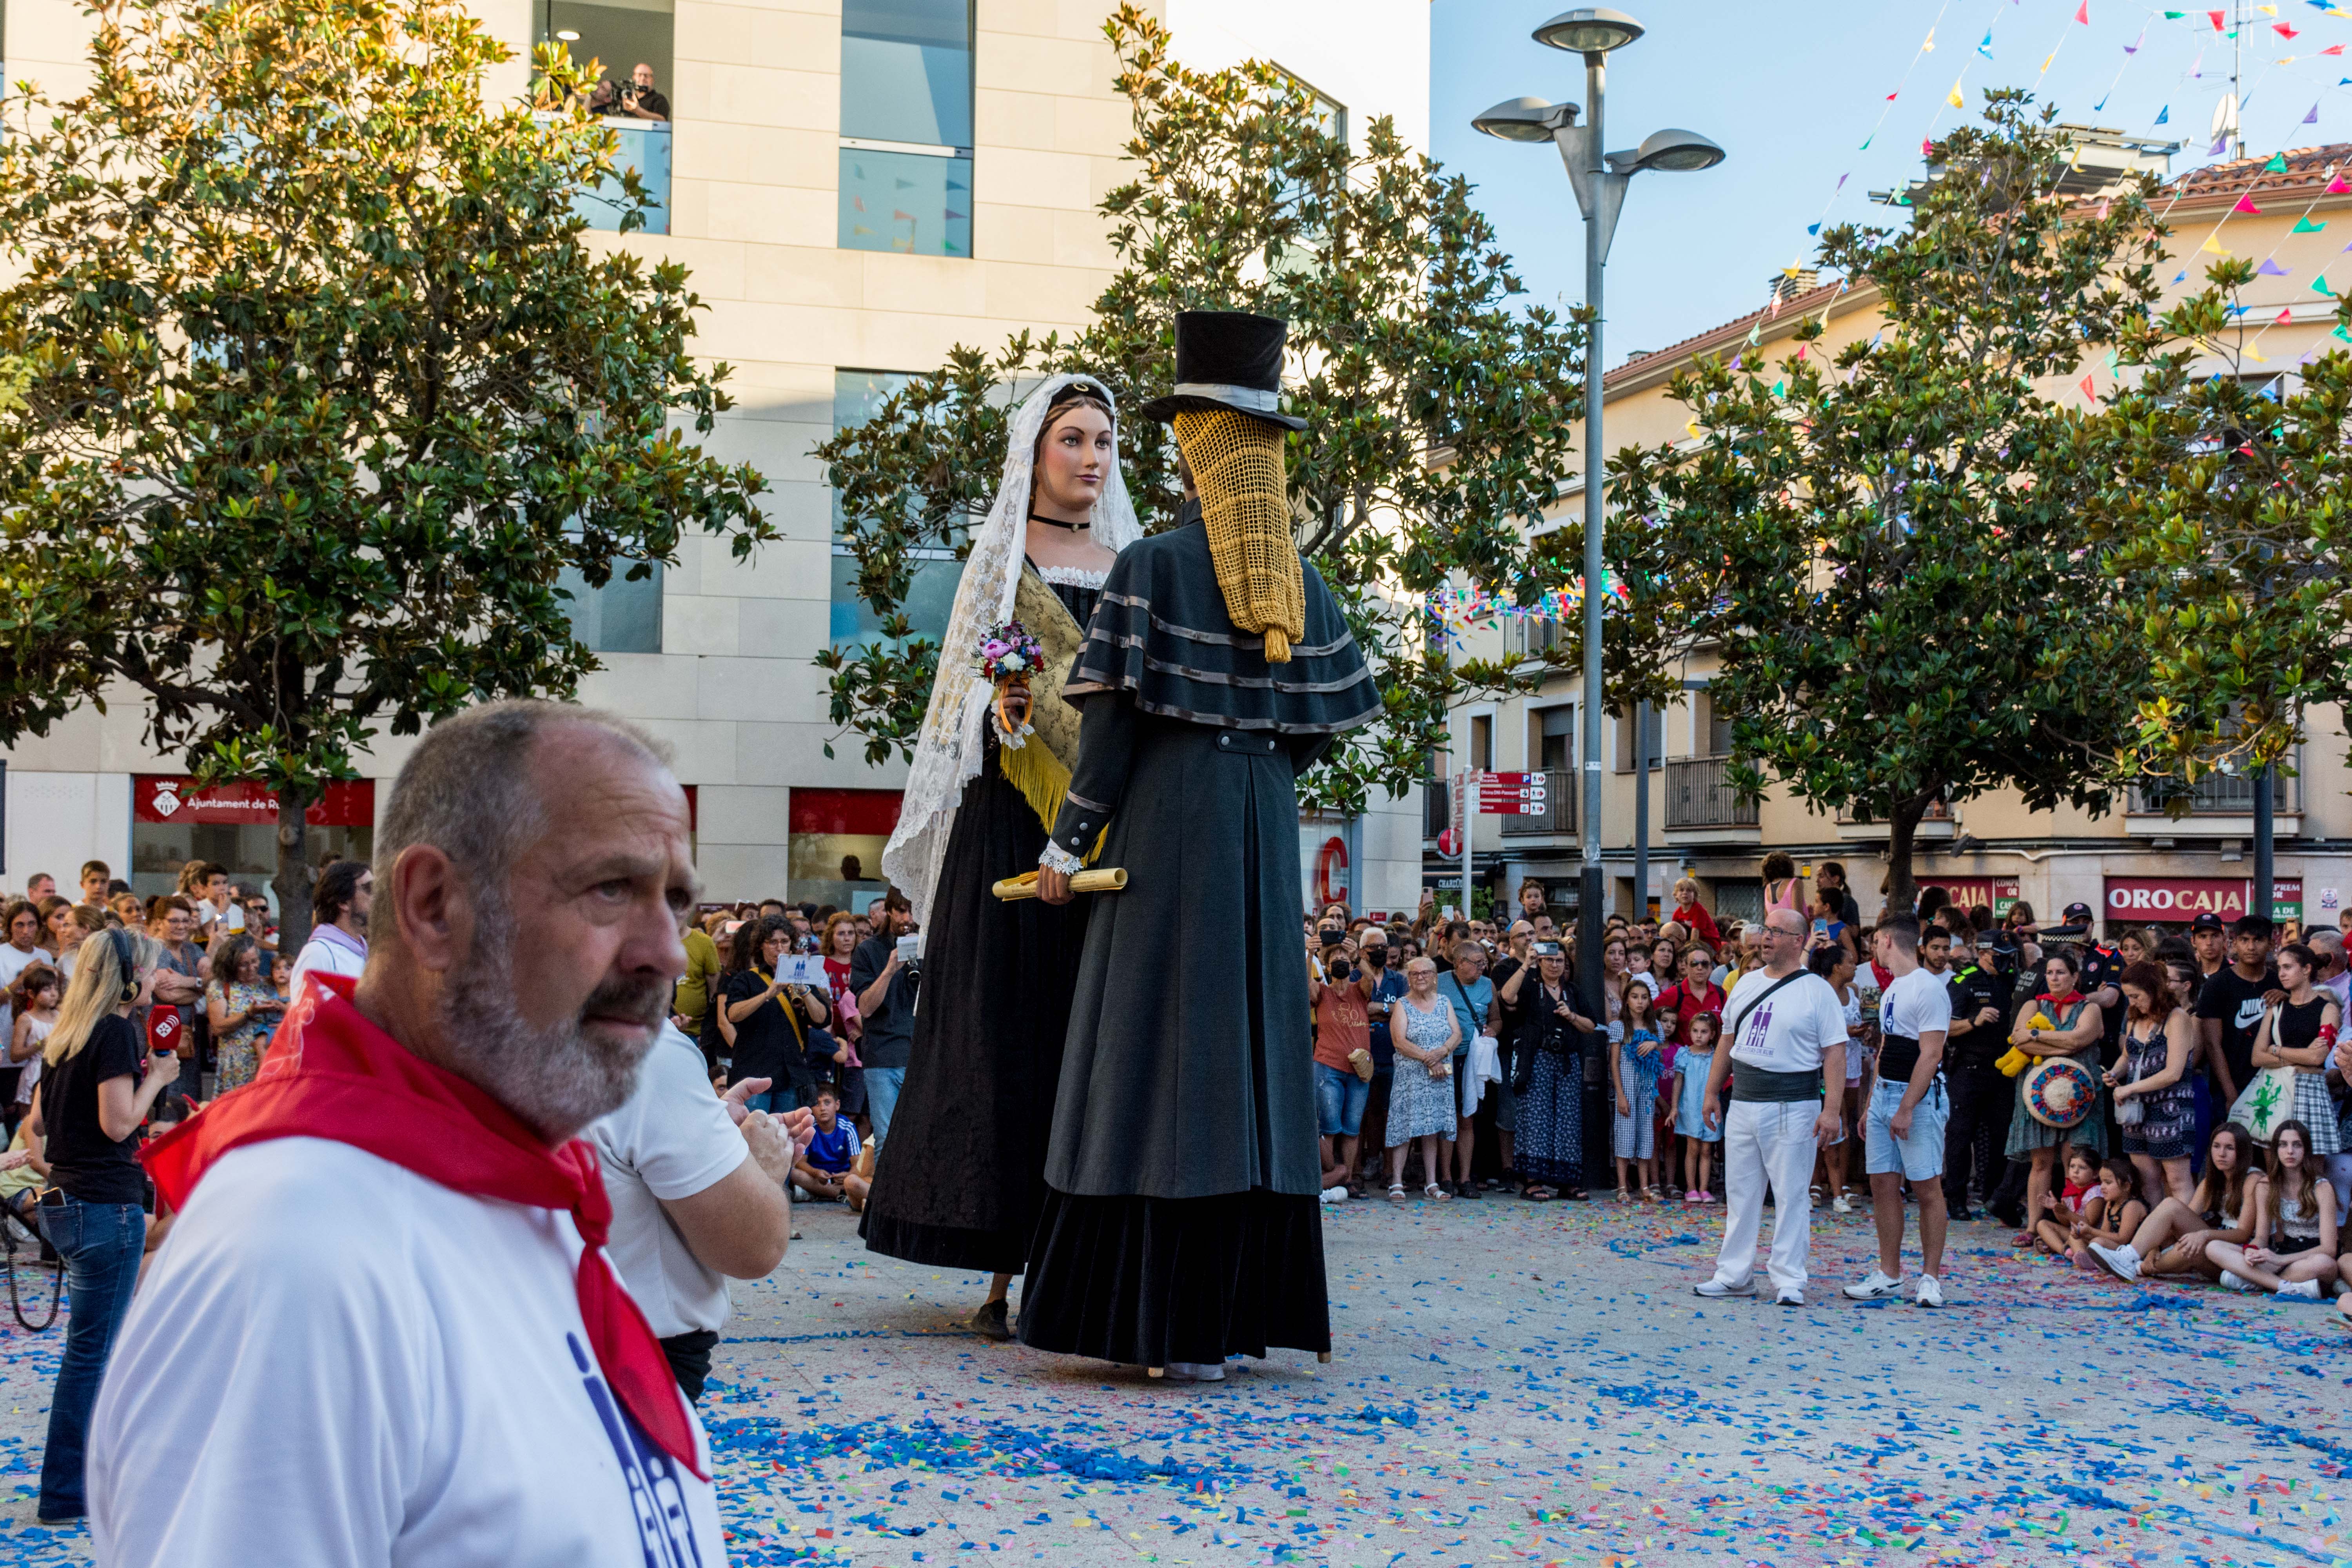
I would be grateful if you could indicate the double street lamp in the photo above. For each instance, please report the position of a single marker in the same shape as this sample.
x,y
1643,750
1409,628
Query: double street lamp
x,y
1600,180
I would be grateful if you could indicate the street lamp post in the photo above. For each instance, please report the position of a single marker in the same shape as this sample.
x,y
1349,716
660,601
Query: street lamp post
x,y
1599,179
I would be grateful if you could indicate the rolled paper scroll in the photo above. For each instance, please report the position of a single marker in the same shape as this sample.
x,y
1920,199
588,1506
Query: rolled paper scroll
x,y
1094,879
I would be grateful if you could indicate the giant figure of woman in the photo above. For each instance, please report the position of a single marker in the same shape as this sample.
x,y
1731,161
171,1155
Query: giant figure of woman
x,y
960,1181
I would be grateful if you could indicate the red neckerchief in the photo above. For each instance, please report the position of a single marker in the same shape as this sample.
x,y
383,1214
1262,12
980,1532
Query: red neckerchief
x,y
2060,1002
332,1074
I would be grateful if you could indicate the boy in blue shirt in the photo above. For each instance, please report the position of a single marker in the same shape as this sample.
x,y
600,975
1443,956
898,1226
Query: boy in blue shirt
x,y
823,1173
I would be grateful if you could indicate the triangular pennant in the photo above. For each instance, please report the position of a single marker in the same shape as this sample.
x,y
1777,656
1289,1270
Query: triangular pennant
x,y
2319,286
2246,205
2278,166
2304,225
1954,98
2269,268
2312,118
2086,387
2283,316
2164,115
2083,13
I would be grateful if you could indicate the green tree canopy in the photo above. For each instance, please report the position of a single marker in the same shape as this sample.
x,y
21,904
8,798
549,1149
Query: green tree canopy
x,y
1889,546
1440,407
2227,510
322,388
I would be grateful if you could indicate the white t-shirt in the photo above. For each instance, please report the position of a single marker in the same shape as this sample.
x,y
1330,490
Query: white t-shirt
x,y
671,1141
339,1363
339,955
1789,1032
1916,1004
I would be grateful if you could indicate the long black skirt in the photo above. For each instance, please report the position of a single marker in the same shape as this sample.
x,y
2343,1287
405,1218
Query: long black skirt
x,y
1151,1280
960,1182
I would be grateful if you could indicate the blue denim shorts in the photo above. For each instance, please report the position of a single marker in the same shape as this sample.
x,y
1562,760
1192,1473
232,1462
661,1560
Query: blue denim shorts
x,y
1338,1102
1921,1155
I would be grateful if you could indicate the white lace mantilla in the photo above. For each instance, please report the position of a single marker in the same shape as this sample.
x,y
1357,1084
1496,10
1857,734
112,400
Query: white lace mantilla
x,y
1072,577
948,753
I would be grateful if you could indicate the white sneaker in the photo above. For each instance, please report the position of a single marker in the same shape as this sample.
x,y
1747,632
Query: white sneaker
x,y
2301,1291
1875,1287
2120,1261
1789,1298
1841,1204
2230,1281
1716,1290
1930,1293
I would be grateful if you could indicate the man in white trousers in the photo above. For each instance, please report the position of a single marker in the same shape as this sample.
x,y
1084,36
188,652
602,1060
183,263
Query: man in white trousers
x,y
1788,1038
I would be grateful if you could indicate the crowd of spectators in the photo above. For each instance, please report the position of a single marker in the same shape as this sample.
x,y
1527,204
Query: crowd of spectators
x,y
1442,1036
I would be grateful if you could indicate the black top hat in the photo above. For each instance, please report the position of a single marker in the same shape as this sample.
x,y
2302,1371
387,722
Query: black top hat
x,y
1227,359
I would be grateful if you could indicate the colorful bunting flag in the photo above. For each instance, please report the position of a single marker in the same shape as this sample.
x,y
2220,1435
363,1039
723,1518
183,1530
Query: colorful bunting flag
x,y
2283,316
2278,166
2336,187
2246,205
2269,268
2312,118
2086,387
2221,145
1984,45
2305,226
1954,98
2284,31
2164,115
2319,286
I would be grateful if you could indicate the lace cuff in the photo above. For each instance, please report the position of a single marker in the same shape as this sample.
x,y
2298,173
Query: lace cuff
x,y
1057,858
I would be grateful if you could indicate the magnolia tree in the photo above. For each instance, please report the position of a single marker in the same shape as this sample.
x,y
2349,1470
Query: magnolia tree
x,y
1440,407
2227,510
317,389
1887,544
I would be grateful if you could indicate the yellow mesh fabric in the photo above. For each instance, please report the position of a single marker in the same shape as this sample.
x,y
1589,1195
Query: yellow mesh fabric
x,y
1236,463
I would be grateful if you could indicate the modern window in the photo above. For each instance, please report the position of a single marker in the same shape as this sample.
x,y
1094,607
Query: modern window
x,y
1482,744
856,395
173,821
906,126
1718,731
633,45
622,617
834,856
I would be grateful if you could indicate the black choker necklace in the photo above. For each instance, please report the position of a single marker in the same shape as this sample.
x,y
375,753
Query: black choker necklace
x,y
1057,522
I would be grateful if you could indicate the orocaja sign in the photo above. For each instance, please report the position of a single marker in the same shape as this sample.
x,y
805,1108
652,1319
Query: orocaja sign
x,y
2185,898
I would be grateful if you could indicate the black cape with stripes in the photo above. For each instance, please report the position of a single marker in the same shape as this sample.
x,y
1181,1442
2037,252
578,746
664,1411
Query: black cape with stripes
x,y
1160,633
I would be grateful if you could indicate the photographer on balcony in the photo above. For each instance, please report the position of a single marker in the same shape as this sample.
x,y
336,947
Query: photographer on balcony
x,y
638,96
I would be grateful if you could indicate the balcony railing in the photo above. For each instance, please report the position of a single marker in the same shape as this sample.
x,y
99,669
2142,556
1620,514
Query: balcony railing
x,y
1699,795
1436,807
644,147
1559,815
2216,795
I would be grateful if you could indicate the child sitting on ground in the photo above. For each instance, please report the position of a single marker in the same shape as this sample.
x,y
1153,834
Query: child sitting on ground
x,y
822,1174
1633,1073
2120,1212
2054,1229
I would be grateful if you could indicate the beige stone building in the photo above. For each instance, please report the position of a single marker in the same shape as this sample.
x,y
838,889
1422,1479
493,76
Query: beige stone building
x,y
858,186
2135,865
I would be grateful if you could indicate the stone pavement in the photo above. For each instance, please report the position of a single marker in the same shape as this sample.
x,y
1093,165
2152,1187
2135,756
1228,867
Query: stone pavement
x,y
1516,1383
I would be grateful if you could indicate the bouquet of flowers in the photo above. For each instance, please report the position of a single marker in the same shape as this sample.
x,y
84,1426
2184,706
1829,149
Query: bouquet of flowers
x,y
1008,656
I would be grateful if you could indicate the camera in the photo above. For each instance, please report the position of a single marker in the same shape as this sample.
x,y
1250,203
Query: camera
x,y
1546,950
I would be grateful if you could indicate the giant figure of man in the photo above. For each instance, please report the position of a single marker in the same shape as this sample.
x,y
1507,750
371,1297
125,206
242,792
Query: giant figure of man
x,y
1180,1225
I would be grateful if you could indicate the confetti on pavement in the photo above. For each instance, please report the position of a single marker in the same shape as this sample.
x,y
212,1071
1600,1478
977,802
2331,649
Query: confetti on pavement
x,y
1515,1383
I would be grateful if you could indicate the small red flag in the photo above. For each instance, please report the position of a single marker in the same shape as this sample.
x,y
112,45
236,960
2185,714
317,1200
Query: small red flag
x,y
2282,30
2086,387
2217,20
2246,205
2083,13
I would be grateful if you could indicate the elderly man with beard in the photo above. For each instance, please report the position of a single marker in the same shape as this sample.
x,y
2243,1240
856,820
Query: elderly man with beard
x,y
384,1330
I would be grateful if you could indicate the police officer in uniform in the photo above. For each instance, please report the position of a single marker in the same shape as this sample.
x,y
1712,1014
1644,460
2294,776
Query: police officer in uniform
x,y
1982,1096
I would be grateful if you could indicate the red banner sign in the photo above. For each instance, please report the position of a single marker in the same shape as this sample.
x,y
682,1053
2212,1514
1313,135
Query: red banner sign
x,y
1513,795
2185,898
174,797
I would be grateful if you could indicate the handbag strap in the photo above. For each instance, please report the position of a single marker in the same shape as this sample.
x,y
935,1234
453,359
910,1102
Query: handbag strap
x,y
1732,1034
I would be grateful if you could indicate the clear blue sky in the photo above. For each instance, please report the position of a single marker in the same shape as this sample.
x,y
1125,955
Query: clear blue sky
x,y
1791,90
